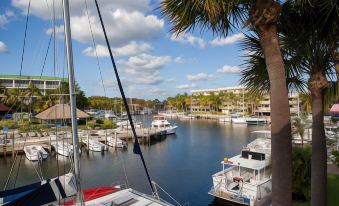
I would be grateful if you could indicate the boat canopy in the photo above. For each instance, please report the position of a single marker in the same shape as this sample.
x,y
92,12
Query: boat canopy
x,y
247,163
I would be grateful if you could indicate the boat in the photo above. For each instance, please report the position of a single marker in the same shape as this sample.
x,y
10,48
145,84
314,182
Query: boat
x,y
256,121
160,122
245,178
63,148
95,145
240,120
116,142
35,152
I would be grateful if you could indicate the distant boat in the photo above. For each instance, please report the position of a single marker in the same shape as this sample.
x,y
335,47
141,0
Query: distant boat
x,y
35,152
116,142
245,178
256,121
160,122
240,120
95,145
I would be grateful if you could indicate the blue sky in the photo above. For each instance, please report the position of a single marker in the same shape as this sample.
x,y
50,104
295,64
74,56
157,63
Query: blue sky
x,y
152,62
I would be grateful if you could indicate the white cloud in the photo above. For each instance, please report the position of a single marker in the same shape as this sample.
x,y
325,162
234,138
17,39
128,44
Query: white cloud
x,y
3,47
5,18
125,21
229,69
59,29
148,91
228,40
188,38
201,77
186,86
179,60
145,63
132,48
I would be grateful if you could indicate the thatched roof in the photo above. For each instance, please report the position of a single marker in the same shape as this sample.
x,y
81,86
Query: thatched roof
x,y
60,111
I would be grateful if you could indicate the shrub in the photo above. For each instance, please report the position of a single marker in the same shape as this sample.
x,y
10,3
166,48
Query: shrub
x,y
10,123
91,124
99,121
108,124
301,173
335,153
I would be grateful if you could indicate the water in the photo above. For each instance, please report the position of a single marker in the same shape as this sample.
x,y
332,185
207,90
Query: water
x,y
182,164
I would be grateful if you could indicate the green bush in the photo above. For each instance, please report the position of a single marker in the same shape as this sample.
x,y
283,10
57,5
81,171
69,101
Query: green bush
x,y
108,124
91,124
33,128
335,153
99,121
301,173
10,123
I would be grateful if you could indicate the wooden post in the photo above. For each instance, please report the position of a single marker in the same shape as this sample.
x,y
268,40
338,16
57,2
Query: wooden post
x,y
5,145
88,140
106,136
13,149
116,139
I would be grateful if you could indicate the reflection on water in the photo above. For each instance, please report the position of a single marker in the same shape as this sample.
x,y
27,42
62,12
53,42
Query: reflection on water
x,y
182,164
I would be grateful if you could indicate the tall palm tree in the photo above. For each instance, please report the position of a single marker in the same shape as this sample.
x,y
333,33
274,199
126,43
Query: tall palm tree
x,y
308,48
221,16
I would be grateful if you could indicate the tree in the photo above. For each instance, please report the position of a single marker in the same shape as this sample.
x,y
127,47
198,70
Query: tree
x,y
308,42
30,93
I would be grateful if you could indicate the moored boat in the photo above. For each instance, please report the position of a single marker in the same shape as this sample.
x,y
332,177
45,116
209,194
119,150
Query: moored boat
x,y
63,148
245,178
94,145
35,152
161,123
116,142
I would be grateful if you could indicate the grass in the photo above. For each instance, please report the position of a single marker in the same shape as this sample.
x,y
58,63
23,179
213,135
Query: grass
x,y
332,191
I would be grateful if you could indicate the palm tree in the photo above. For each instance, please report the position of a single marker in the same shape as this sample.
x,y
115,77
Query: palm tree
x,y
299,129
221,16
308,48
31,92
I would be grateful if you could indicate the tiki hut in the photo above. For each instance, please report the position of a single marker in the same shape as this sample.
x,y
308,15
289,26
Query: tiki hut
x,y
335,110
59,112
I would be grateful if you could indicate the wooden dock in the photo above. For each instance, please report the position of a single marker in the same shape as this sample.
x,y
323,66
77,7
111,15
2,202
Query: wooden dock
x,y
145,134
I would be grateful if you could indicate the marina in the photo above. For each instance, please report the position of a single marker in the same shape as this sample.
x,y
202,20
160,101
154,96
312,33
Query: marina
x,y
170,157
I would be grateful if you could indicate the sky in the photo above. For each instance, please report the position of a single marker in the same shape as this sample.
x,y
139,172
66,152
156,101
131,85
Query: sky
x,y
152,61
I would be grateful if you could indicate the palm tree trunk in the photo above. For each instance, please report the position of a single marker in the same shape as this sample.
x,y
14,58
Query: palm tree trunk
x,y
280,118
319,163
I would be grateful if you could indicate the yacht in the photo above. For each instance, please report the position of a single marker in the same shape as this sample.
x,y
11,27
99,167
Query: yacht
x,y
240,120
160,122
256,121
245,178
35,152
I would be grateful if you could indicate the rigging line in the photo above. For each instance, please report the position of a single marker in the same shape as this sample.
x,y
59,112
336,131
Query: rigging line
x,y
95,48
43,65
137,148
23,48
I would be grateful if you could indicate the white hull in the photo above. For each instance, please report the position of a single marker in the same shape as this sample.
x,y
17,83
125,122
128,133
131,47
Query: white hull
x,y
127,197
95,146
113,142
63,149
256,121
239,121
171,130
35,152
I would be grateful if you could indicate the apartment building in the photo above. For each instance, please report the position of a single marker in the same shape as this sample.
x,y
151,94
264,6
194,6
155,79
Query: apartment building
x,y
43,83
238,103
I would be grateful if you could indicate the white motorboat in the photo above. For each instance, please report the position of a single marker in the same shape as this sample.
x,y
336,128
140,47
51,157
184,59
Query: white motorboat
x,y
116,142
63,148
161,123
95,145
256,121
240,120
245,178
35,152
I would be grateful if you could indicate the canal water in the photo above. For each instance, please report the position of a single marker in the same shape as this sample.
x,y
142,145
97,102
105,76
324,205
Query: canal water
x,y
182,164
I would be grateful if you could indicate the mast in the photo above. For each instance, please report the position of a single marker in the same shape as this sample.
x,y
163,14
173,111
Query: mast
x,y
71,80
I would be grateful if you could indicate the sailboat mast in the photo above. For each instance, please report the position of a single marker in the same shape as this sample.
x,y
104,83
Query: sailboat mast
x,y
71,80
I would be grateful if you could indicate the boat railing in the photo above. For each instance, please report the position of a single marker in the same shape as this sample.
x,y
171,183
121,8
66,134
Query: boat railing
x,y
264,189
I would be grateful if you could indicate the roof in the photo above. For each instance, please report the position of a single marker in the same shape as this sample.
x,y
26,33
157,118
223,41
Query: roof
x,y
240,87
32,77
60,111
4,108
247,163
335,108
